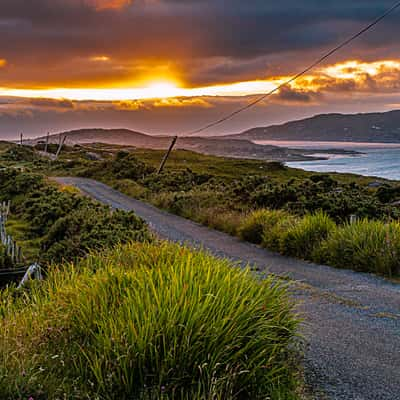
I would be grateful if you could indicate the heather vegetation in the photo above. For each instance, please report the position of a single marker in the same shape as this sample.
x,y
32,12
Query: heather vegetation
x,y
62,225
283,209
120,316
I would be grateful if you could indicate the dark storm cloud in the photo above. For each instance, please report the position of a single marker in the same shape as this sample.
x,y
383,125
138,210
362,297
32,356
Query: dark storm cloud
x,y
288,94
200,37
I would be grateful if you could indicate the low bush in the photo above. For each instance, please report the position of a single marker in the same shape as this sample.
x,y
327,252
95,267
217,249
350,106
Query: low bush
x,y
175,181
63,224
369,246
302,238
258,222
93,228
20,153
272,237
148,322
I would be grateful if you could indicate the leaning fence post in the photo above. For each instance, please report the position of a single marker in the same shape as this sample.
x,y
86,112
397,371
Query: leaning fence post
x,y
19,255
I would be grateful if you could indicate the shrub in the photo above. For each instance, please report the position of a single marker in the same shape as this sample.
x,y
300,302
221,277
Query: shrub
x,y
127,166
148,322
369,246
253,227
13,183
175,181
302,238
272,237
91,229
20,153
64,224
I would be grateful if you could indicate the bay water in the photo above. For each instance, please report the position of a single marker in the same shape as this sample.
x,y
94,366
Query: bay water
x,y
378,159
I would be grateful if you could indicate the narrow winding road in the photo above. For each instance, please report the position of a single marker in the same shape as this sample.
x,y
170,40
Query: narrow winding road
x,y
352,320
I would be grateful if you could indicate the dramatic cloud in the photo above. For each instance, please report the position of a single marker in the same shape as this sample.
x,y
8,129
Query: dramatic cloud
x,y
121,51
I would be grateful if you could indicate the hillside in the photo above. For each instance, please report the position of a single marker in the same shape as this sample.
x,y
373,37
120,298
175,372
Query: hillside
x,y
374,127
228,147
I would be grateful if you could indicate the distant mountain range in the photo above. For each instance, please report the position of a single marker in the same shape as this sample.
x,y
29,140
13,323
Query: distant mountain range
x,y
373,127
227,147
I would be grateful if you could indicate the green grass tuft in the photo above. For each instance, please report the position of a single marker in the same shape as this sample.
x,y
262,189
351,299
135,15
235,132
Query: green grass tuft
x,y
369,246
259,222
302,238
148,321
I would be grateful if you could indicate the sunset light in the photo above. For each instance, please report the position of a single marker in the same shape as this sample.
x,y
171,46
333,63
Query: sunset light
x,y
353,68
158,65
150,149
384,71
156,90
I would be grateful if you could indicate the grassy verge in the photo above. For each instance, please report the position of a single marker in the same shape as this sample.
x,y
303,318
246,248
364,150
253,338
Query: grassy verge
x,y
20,230
365,246
184,325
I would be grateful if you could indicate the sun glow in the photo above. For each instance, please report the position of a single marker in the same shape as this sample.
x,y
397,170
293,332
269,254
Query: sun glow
x,y
154,90
169,88
162,90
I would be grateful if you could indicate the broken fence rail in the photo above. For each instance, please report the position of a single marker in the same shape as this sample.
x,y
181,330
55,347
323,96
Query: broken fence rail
x,y
20,275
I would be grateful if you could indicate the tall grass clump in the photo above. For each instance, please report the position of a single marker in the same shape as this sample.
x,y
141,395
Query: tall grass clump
x,y
368,246
272,236
218,218
257,222
302,238
148,321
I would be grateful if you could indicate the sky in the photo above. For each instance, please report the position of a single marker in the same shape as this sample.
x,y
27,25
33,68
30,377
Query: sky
x,y
172,66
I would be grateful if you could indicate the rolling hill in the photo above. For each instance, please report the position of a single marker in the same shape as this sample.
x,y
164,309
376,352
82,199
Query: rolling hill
x,y
227,147
373,127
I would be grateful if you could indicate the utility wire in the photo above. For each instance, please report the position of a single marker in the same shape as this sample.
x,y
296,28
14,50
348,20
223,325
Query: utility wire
x,y
294,78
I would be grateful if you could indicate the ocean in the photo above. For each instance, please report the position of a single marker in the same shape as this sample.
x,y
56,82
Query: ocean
x,y
379,159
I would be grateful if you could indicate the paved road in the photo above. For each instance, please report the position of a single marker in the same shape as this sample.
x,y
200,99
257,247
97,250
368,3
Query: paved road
x,y
352,320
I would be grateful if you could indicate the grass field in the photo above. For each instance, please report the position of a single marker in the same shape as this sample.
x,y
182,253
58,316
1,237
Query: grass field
x,y
227,194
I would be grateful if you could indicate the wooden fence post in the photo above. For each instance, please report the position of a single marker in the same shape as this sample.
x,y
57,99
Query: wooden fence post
x,y
60,146
167,154
47,142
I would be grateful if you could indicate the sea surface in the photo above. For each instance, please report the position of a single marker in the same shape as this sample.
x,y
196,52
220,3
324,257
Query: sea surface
x,y
379,159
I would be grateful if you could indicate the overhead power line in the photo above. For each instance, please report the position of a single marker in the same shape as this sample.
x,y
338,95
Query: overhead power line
x,y
294,78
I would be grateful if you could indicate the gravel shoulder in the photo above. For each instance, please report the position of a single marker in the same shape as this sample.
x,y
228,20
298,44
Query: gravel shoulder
x,y
351,320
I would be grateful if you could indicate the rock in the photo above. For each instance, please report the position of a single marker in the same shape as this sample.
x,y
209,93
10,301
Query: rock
x,y
93,156
375,184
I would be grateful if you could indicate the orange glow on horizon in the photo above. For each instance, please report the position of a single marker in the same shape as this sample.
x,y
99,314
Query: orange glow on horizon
x,y
167,88
154,90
